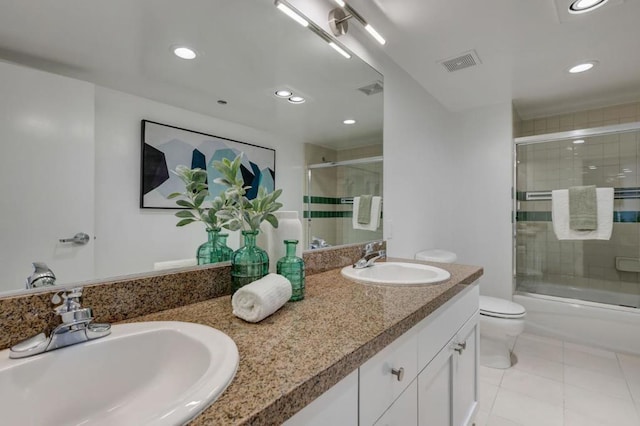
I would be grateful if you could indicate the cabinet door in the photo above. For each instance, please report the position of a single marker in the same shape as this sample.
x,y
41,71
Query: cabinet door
x,y
465,385
336,407
404,411
379,386
435,390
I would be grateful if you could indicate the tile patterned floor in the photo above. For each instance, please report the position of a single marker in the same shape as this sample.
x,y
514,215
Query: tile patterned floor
x,y
561,383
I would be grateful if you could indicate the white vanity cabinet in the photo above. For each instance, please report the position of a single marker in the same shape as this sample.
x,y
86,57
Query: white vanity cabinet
x,y
448,385
428,376
336,407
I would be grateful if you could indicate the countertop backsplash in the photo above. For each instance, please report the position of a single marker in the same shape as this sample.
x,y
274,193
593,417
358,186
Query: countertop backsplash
x,y
25,315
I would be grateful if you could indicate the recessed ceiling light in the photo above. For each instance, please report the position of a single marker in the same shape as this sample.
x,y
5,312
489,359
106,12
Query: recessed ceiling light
x,y
283,93
184,53
585,66
349,121
584,6
578,141
296,99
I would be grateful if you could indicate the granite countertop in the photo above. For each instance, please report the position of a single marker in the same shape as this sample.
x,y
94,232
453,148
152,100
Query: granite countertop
x,y
293,356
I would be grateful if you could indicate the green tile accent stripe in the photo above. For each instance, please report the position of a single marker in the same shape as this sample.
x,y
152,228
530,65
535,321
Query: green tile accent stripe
x,y
321,200
316,214
618,217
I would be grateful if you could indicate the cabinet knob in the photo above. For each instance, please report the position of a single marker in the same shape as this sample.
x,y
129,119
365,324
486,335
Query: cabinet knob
x,y
398,372
459,347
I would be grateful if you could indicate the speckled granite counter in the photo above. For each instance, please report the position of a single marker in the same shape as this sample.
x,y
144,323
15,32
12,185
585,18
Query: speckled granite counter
x,y
292,357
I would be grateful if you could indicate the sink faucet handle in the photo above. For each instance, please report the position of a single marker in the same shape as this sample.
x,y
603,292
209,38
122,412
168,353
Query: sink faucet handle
x,y
70,300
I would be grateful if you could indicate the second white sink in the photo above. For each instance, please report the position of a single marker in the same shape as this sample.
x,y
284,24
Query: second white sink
x,y
160,373
397,274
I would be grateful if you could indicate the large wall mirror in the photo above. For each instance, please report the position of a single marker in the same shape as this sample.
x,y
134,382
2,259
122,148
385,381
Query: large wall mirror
x,y
77,78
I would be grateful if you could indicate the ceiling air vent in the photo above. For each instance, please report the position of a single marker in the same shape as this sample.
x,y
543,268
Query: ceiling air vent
x,y
466,60
372,88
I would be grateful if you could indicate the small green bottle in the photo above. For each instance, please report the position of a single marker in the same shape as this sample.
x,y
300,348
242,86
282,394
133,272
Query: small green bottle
x,y
292,268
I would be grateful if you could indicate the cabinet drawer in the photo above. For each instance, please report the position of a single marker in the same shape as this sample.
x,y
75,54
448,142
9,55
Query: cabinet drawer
x,y
378,386
436,330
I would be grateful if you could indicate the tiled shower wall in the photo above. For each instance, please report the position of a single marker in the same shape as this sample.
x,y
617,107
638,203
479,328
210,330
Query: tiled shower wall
x,y
598,117
604,161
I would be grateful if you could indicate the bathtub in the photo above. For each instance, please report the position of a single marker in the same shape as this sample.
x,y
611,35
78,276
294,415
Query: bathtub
x,y
611,327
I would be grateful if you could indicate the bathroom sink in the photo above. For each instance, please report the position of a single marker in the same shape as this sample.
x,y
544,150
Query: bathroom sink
x,y
160,373
396,274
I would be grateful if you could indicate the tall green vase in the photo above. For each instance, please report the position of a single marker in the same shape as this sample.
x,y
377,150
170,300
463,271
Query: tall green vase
x,y
249,263
223,251
206,253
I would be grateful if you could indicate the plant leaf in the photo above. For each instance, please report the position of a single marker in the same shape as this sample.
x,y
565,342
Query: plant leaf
x,y
184,222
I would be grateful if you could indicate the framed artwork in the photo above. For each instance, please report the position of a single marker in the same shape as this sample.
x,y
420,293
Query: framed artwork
x,y
165,147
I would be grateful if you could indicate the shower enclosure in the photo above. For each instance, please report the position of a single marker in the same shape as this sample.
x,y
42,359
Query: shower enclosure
x,y
331,187
595,272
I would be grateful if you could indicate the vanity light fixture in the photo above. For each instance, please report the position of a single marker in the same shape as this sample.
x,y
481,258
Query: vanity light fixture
x,y
283,93
585,66
293,13
184,52
339,17
349,121
584,6
296,99
578,141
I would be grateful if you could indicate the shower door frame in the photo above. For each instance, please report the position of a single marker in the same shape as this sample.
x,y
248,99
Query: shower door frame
x,y
551,137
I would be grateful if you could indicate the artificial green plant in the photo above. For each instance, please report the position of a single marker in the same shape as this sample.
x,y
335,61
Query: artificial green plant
x,y
241,212
231,209
193,199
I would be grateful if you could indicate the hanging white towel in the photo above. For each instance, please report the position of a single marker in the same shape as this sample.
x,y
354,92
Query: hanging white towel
x,y
256,301
560,216
374,223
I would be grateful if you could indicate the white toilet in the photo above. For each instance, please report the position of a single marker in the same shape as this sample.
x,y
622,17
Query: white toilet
x,y
501,321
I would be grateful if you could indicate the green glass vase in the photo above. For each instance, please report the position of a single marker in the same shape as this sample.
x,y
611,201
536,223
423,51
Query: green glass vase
x,y
223,252
207,253
249,263
292,268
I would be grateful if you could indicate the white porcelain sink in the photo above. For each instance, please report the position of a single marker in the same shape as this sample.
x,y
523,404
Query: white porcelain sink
x,y
397,274
160,373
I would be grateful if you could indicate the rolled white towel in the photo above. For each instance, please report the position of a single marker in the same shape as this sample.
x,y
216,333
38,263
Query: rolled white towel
x,y
256,301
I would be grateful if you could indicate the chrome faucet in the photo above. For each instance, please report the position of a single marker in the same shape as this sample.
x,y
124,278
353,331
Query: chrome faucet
x,y
76,327
41,276
372,252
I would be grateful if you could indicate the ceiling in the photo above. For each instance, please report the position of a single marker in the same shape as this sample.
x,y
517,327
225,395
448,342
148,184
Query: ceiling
x,y
525,47
247,49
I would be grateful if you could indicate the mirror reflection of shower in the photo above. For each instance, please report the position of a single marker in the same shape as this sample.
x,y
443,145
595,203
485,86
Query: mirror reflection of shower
x,y
336,189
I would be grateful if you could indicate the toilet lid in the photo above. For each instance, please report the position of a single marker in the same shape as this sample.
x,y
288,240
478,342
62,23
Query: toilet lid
x,y
500,308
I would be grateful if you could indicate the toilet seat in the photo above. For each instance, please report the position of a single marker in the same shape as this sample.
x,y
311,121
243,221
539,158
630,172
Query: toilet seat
x,y
500,308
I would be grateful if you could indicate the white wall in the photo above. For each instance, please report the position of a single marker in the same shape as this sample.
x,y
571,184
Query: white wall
x,y
417,130
447,176
130,239
477,205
